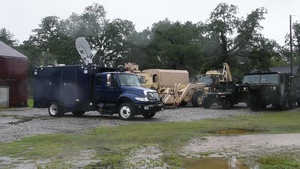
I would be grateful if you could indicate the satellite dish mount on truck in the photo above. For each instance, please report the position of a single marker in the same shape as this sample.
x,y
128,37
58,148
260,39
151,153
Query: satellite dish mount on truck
x,y
84,49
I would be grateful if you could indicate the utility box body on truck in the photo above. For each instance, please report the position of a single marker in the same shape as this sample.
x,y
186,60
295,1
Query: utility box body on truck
x,y
78,89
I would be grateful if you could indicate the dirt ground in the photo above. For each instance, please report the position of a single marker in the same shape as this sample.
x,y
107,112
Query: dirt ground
x,y
243,145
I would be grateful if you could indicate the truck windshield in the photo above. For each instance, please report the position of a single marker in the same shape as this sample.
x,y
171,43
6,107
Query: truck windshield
x,y
264,78
205,79
129,80
270,78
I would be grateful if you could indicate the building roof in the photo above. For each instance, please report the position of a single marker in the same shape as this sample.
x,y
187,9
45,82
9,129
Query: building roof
x,y
286,69
7,51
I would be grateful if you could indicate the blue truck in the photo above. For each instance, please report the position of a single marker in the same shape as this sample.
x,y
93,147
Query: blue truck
x,y
82,88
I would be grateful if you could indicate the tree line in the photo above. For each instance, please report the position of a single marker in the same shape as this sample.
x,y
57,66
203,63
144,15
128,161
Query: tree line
x,y
196,47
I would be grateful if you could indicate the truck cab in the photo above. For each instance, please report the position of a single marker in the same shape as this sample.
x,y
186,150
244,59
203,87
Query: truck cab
x,y
269,88
121,92
226,94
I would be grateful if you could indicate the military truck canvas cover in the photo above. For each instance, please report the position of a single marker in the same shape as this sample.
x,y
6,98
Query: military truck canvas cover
x,y
167,77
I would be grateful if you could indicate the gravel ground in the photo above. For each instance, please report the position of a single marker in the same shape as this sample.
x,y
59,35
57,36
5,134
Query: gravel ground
x,y
18,123
24,122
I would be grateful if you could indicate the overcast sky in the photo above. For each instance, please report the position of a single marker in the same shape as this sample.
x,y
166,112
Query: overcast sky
x,y
21,16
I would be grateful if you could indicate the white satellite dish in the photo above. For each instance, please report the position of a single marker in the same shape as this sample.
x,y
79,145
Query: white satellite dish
x,y
84,49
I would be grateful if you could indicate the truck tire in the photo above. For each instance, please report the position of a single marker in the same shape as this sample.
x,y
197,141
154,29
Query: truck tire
x,y
285,104
148,115
297,102
253,102
78,113
253,106
56,110
227,104
197,99
291,103
126,111
206,104
182,104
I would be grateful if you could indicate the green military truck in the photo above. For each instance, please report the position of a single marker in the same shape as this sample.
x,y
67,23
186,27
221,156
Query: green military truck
x,y
271,88
226,95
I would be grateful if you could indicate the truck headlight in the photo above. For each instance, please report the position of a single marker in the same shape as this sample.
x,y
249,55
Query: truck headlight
x,y
151,95
245,88
142,99
273,88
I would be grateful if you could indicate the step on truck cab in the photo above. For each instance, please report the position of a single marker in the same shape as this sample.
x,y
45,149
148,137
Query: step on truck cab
x,y
83,88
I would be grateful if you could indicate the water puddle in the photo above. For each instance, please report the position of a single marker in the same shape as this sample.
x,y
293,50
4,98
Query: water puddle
x,y
232,131
215,163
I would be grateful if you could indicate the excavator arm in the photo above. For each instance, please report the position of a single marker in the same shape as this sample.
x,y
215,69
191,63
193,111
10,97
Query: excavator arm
x,y
226,73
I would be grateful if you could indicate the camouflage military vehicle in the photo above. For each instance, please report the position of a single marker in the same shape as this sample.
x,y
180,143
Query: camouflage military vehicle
x,y
272,88
226,95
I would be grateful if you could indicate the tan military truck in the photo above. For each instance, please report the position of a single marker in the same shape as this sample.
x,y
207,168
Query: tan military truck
x,y
175,87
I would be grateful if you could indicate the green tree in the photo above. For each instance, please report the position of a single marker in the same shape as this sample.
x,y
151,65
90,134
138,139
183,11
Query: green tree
x,y
7,37
140,50
176,45
55,37
296,43
112,39
55,46
240,42
286,48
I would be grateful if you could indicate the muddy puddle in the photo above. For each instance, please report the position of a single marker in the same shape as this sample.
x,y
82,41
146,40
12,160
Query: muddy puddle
x,y
232,131
216,163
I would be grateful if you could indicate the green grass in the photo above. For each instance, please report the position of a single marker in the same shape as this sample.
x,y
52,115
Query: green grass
x,y
112,144
30,102
279,162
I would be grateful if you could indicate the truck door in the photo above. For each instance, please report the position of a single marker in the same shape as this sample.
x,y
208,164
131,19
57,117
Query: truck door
x,y
113,90
106,88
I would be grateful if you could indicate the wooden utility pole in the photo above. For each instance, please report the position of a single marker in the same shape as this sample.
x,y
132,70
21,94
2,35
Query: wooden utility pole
x,y
291,45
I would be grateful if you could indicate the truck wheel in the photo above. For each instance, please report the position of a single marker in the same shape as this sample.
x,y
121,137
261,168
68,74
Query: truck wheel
x,y
78,113
206,104
148,115
253,102
253,106
182,104
126,111
297,103
262,106
227,104
291,104
56,110
197,99
285,104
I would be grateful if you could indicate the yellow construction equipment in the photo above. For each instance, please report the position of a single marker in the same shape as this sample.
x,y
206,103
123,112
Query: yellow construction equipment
x,y
174,86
